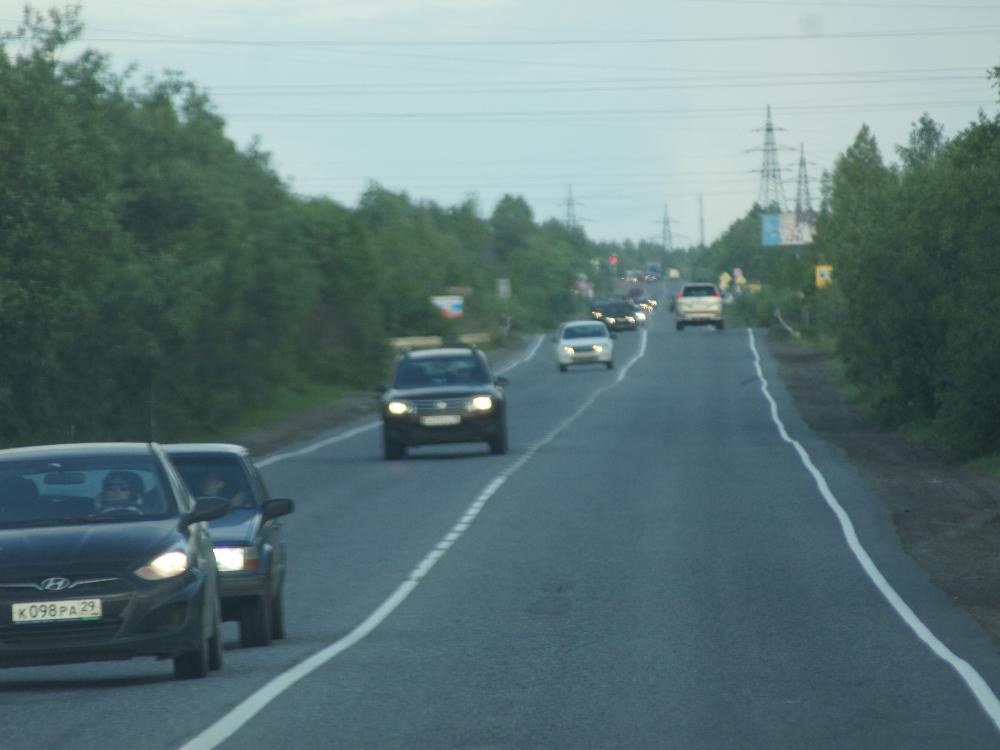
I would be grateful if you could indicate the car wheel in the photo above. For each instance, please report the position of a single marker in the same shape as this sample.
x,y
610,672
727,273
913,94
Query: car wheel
x,y
498,445
610,364
563,368
193,664
391,448
277,617
255,624
215,642
720,325
680,326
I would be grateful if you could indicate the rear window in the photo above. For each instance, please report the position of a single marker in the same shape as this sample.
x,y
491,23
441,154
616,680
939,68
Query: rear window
x,y
83,490
703,290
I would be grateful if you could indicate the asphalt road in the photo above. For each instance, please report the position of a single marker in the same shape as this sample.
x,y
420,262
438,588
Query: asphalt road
x,y
651,566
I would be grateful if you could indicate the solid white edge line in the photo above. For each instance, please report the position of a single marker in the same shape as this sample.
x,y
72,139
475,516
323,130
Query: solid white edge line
x,y
233,720
977,685
371,425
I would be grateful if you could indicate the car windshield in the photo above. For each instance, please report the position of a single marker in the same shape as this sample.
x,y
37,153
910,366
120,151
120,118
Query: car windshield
x,y
585,332
416,372
98,489
216,476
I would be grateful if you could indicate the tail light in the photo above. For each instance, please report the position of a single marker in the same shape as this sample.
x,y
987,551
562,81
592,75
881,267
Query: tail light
x,y
718,293
680,295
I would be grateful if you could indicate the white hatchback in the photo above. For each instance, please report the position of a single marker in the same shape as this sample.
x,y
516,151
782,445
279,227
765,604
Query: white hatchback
x,y
584,342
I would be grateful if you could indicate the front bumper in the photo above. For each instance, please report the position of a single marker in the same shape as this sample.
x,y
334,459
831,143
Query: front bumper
x,y
579,358
164,619
472,428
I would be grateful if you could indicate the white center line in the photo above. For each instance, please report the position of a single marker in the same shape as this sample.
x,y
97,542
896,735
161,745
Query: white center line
x,y
973,680
247,709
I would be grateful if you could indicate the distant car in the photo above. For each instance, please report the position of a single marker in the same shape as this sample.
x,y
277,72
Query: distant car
x,y
584,342
104,554
698,304
619,316
249,548
445,395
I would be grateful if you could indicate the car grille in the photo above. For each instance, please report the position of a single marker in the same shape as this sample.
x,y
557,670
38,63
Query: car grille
x,y
584,349
442,405
56,633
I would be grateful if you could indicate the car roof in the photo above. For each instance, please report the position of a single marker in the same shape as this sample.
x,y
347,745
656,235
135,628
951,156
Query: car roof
x,y
441,352
584,322
190,449
72,450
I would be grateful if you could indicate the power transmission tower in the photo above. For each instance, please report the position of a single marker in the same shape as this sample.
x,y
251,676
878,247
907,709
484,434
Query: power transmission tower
x,y
803,202
771,193
668,236
571,204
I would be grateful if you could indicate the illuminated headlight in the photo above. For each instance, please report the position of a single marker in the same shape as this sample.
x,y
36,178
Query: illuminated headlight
x,y
481,403
610,320
399,408
630,319
598,348
167,565
640,315
236,558
568,350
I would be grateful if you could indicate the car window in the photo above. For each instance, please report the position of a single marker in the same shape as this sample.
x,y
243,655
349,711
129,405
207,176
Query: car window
x,y
82,490
585,332
216,476
415,372
699,291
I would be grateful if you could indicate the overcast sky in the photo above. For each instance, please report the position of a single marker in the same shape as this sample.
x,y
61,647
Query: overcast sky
x,y
633,105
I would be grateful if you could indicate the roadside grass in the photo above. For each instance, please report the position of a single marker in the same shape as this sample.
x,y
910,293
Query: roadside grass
x,y
988,466
284,404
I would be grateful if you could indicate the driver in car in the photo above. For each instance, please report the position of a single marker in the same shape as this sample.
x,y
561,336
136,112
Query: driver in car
x,y
119,491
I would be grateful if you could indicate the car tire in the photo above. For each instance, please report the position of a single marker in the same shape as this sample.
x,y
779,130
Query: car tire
x,y
680,326
720,325
563,368
498,444
193,665
215,652
255,624
610,365
278,616
391,448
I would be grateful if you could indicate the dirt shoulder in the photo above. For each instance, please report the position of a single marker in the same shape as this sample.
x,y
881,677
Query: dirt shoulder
x,y
947,517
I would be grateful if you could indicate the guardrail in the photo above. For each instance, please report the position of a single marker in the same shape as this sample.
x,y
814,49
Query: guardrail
x,y
427,342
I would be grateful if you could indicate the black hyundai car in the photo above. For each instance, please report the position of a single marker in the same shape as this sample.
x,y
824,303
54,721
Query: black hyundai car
x,y
105,555
249,548
446,395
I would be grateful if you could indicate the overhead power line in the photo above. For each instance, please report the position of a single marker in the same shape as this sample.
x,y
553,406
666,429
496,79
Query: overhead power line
x,y
596,41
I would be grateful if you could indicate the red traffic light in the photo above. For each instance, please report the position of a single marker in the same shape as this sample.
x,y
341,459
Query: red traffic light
x,y
613,260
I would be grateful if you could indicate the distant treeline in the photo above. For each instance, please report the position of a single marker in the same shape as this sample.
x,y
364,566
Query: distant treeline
x,y
156,280
914,309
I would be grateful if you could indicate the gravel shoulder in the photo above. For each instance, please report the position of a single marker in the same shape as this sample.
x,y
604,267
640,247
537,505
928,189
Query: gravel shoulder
x,y
947,517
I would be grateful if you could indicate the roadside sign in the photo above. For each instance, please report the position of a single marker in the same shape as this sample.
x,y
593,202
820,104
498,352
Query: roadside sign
x,y
824,276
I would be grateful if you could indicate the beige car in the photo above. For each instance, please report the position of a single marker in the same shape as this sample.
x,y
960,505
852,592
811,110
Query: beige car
x,y
699,305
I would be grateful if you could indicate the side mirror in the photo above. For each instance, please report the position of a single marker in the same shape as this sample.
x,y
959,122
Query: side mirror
x,y
501,381
612,334
278,507
381,388
207,509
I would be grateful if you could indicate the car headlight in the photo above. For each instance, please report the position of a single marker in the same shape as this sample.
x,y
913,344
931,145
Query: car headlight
x,y
568,350
641,316
236,558
630,319
167,565
610,320
598,348
399,408
481,403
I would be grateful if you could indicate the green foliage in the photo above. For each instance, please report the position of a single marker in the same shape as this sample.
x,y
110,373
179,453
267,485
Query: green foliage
x,y
158,281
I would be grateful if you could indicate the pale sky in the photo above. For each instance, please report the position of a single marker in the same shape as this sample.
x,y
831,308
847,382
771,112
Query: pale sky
x,y
633,105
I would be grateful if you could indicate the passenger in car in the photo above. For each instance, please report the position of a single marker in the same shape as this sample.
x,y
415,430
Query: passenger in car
x,y
120,489
214,484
